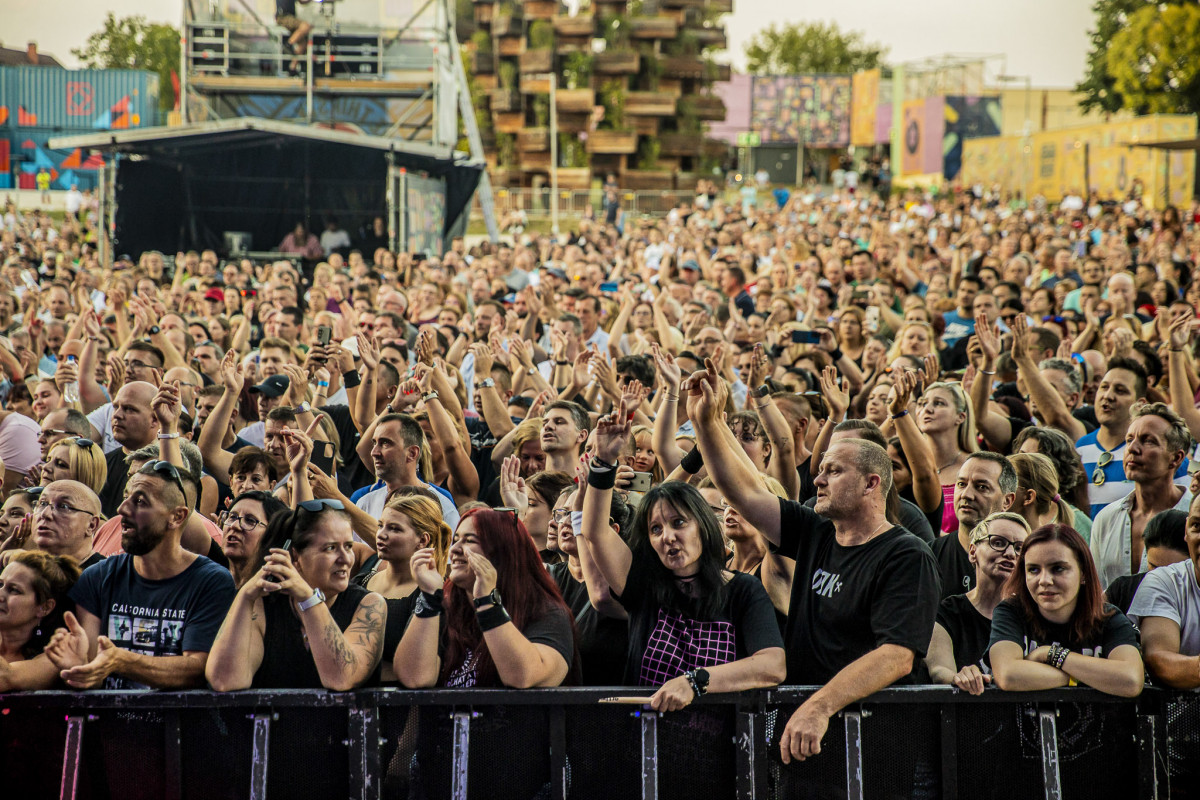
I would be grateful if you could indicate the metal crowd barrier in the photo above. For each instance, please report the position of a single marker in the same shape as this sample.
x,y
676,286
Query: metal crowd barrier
x,y
555,744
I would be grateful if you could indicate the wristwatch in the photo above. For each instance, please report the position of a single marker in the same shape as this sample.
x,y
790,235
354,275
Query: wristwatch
x,y
303,408
698,678
153,330
490,599
317,598
486,383
762,391
431,395
168,435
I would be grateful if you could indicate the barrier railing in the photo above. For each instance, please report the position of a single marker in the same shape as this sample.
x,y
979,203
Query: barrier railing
x,y
921,742
573,202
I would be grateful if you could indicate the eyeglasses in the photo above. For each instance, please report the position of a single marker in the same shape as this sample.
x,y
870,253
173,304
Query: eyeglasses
x,y
133,363
1000,544
60,507
246,522
561,515
48,432
320,504
165,468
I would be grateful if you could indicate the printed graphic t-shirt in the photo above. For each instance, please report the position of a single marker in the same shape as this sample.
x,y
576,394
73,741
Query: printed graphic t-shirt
x,y
155,618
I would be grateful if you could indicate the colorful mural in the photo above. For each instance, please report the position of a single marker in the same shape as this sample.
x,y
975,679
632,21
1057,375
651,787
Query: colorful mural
x,y
967,118
1104,157
814,109
864,107
923,129
426,213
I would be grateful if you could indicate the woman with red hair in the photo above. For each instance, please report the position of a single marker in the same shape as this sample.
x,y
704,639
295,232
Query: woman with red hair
x,y
505,621
1054,629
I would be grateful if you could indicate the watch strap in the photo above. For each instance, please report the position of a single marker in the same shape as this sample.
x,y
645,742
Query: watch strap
x,y
317,598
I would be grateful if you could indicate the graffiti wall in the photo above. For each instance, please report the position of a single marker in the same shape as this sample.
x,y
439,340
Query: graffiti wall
x,y
810,108
967,118
924,126
864,107
1105,157
426,213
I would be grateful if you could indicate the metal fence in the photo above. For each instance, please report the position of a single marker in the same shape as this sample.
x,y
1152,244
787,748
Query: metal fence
x,y
573,203
926,742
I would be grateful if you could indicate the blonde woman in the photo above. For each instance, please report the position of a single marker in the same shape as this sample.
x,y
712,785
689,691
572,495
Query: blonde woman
x,y
79,460
410,521
946,419
1038,500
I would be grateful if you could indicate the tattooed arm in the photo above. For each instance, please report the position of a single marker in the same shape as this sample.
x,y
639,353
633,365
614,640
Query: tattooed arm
x,y
345,660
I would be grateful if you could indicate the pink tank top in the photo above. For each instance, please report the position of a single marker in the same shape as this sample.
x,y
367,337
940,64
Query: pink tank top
x,y
949,518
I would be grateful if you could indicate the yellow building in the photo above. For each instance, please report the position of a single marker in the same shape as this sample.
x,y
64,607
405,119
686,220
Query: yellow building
x,y
1046,110
1105,157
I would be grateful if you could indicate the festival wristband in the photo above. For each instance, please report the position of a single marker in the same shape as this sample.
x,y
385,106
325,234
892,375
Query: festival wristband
x,y
491,618
351,379
323,384
693,461
605,479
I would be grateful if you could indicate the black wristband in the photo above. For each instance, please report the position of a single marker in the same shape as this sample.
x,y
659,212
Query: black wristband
x,y
836,355
350,379
492,617
693,461
602,480
429,605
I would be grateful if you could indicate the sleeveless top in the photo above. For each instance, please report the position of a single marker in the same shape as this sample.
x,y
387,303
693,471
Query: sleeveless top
x,y
287,663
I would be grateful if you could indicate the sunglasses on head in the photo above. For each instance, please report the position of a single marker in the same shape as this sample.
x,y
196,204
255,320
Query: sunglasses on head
x,y
320,504
161,468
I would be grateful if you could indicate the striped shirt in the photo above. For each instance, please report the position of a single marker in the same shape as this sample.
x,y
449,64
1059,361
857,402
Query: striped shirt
x,y
1116,485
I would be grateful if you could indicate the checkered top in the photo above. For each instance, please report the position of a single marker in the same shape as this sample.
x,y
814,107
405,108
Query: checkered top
x,y
678,644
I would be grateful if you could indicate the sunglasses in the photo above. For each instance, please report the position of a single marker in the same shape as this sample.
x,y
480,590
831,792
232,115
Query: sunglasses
x,y
84,443
1059,320
316,506
165,468
1098,477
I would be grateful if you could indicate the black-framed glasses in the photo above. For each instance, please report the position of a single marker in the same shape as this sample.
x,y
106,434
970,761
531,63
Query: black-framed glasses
x,y
133,363
59,507
165,468
45,432
1000,544
320,504
245,522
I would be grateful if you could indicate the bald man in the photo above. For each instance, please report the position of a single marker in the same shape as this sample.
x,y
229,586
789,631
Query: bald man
x,y
1121,293
65,518
133,426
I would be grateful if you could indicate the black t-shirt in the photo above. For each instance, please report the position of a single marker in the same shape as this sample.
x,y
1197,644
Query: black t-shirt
x,y
482,444
808,490
94,558
848,601
353,474
968,629
665,642
1087,415
956,569
1121,591
1008,625
113,491
912,519
552,629
603,640
932,518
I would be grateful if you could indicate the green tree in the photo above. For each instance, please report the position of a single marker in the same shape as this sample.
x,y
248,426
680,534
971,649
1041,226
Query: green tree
x,y
134,43
811,47
1099,85
1155,60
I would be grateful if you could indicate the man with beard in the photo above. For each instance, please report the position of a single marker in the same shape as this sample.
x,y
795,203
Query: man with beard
x,y
146,618
865,593
986,483
65,518
399,449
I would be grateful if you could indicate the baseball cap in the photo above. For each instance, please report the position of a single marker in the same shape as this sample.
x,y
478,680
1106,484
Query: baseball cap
x,y
690,264
561,274
215,294
273,386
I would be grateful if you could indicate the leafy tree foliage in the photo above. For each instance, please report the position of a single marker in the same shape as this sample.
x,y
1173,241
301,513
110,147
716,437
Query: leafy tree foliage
x,y
134,43
813,47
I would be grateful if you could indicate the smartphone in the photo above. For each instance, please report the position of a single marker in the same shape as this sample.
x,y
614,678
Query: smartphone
x,y
324,334
609,286
873,319
286,546
805,337
509,299
641,482
321,458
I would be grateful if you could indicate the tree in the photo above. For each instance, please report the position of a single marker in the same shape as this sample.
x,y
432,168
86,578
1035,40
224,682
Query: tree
x,y
1113,19
1155,60
134,43
806,48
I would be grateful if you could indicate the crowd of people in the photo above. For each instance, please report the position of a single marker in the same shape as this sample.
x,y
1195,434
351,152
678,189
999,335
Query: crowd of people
x,y
848,442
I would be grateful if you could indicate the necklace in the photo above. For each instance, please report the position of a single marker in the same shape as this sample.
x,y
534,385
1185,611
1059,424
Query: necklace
x,y
949,463
882,526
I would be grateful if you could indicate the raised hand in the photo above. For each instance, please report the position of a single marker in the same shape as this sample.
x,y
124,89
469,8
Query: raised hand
x,y
114,373
667,368
233,372
167,406
68,647
1179,332
902,391
298,445
706,394
634,394
760,367
424,570
368,351
837,397
613,432
512,486
278,564
297,385
539,403
426,347
485,573
987,337
521,351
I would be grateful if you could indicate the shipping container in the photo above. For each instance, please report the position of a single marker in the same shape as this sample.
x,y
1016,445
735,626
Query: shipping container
x,y
28,153
44,98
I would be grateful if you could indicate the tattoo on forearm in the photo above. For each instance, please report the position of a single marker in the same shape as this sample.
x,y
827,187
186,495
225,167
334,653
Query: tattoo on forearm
x,y
336,644
366,631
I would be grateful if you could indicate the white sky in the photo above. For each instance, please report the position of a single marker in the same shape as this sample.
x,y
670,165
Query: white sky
x,y
1045,39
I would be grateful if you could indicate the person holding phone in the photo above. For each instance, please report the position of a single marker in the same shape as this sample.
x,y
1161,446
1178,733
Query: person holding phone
x,y
300,622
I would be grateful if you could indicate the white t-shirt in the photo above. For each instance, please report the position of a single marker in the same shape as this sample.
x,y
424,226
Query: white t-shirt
x,y
1171,592
101,420
373,503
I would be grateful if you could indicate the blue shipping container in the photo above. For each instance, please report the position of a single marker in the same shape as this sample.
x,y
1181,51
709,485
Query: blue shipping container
x,y
77,99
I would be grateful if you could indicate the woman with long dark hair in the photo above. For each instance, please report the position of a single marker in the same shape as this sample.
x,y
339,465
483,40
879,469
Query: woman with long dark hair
x,y
300,622
242,528
1054,629
672,581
